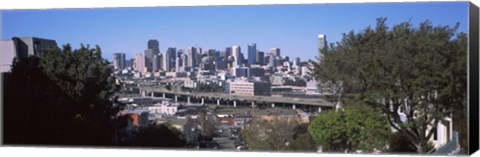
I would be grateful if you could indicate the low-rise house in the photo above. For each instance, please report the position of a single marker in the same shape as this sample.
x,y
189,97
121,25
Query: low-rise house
x,y
165,107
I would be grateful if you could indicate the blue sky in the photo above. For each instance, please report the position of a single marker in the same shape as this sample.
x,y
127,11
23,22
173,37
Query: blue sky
x,y
292,28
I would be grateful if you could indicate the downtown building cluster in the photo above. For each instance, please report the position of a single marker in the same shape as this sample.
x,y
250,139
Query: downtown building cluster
x,y
238,71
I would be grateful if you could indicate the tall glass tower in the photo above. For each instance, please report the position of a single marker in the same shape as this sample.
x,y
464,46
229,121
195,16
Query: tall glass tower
x,y
252,53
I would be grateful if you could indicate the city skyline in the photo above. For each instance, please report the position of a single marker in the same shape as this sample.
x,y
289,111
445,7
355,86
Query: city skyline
x,y
292,28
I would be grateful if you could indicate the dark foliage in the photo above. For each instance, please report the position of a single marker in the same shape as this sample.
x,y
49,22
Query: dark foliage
x,y
61,97
164,135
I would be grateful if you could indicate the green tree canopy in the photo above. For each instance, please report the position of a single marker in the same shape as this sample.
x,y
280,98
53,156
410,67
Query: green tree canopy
x,y
416,73
61,96
353,128
277,134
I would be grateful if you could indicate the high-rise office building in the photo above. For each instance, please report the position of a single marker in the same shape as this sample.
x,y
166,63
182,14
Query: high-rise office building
x,y
178,63
119,60
228,51
266,59
180,52
211,53
149,53
237,54
260,58
192,56
130,63
275,52
170,58
322,42
296,61
252,53
157,63
154,45
272,60
184,60
139,62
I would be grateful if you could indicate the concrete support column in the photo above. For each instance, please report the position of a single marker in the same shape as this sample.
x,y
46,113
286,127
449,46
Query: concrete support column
x,y
319,109
188,99
253,104
176,98
234,103
203,101
152,94
144,93
164,96
293,107
218,102
273,105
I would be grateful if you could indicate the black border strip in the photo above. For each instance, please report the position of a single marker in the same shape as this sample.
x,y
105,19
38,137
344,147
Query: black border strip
x,y
473,79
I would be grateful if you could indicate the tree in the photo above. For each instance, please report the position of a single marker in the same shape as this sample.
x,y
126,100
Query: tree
x,y
416,73
302,140
277,134
207,125
353,128
164,135
61,96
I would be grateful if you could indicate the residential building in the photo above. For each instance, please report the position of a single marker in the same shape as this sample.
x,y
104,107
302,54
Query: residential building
x,y
165,108
21,48
312,88
139,117
29,46
8,53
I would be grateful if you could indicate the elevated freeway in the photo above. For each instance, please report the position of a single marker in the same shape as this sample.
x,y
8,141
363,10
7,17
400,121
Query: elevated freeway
x,y
309,104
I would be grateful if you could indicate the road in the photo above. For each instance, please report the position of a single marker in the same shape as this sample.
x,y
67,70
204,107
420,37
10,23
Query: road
x,y
224,138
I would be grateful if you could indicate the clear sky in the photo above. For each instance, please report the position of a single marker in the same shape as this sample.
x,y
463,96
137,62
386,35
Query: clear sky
x,y
292,28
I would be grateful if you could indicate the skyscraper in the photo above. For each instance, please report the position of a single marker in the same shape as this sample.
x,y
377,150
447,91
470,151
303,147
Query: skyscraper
x,y
192,56
154,45
165,62
178,63
228,51
252,53
275,52
184,60
139,63
260,57
237,54
296,61
322,42
119,60
157,62
171,56
149,53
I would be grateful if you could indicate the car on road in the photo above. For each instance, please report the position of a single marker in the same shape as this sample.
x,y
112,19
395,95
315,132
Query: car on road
x,y
242,147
